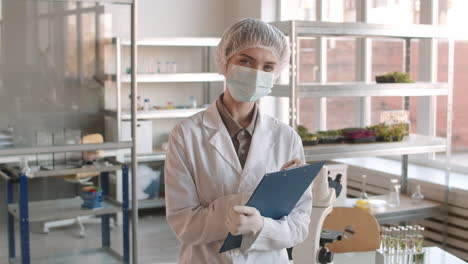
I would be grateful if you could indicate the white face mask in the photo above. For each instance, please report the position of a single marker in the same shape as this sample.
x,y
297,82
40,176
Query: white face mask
x,y
249,85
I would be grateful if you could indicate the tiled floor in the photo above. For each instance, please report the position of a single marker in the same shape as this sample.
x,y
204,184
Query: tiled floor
x,y
156,241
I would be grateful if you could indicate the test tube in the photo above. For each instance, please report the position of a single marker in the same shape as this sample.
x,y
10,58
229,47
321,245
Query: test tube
x,y
411,239
392,240
384,240
419,239
402,239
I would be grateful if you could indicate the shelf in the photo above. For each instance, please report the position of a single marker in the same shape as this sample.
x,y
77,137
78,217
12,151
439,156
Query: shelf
x,y
96,168
405,212
93,1
151,203
158,114
159,155
174,77
182,42
101,256
362,89
15,151
359,29
413,144
51,210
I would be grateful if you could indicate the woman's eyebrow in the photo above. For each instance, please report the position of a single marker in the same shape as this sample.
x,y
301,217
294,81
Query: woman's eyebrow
x,y
247,56
252,58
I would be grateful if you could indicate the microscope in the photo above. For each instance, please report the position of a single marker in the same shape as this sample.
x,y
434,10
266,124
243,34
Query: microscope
x,y
314,249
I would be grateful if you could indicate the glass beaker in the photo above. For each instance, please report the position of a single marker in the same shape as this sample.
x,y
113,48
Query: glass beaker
x,y
394,193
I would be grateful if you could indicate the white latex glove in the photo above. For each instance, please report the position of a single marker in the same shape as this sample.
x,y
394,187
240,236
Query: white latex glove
x,y
242,220
291,164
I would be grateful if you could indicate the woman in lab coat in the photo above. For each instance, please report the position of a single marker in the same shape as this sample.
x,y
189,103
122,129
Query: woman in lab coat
x,y
217,157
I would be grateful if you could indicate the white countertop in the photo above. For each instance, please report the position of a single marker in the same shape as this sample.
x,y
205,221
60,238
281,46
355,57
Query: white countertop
x,y
434,255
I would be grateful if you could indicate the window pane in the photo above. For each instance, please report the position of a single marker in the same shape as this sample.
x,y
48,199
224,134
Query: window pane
x,y
341,113
341,60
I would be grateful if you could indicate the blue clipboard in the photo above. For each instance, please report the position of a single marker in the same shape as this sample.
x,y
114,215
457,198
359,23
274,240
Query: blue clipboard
x,y
277,194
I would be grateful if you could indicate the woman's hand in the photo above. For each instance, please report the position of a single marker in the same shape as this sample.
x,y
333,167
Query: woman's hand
x,y
291,164
243,220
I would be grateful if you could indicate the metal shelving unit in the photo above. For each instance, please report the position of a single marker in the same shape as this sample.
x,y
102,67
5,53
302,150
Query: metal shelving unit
x,y
295,90
26,212
119,79
411,145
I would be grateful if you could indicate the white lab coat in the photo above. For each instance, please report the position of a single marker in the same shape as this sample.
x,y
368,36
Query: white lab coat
x,y
202,168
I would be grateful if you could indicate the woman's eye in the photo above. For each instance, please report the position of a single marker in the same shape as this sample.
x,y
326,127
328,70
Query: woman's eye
x,y
244,61
268,68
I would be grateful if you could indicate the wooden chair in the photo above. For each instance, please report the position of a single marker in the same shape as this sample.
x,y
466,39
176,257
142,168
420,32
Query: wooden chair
x,y
366,230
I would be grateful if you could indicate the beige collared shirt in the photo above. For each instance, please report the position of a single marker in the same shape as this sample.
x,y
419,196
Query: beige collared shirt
x,y
240,136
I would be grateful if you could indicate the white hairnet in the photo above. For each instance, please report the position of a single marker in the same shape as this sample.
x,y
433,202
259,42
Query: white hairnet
x,y
252,33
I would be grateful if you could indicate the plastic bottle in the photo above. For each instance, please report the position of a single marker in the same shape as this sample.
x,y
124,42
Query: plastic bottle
x,y
146,105
174,67
417,196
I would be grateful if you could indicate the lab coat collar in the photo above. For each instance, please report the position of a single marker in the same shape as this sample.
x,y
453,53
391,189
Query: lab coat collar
x,y
219,138
262,141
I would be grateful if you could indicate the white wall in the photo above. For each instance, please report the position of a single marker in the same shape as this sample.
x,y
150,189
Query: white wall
x,y
173,18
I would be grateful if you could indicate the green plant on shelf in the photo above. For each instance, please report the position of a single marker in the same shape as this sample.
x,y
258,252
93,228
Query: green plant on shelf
x,y
394,77
306,137
302,130
389,133
330,136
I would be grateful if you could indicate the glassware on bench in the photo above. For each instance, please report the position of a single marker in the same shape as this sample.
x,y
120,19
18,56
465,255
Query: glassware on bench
x,y
363,194
419,239
417,196
394,193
